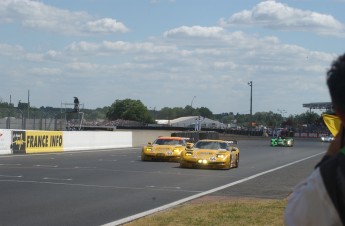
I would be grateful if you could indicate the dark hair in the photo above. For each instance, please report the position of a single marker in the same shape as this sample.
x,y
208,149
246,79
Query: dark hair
x,y
336,83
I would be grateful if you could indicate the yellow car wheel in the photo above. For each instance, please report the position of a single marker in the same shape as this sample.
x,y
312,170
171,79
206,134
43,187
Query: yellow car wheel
x,y
145,158
183,165
228,166
237,160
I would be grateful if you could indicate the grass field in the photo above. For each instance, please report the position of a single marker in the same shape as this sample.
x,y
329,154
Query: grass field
x,y
212,210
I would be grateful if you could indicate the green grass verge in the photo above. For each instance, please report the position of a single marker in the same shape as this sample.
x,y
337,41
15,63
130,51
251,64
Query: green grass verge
x,y
227,211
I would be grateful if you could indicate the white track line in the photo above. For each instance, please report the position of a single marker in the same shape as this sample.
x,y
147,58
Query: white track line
x,y
126,149
178,202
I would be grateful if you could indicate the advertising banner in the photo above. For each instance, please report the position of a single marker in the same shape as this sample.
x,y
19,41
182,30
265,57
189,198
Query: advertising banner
x,y
18,142
43,141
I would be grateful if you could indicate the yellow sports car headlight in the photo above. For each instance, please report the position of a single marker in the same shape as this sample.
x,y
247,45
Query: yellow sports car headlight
x,y
189,154
220,155
149,149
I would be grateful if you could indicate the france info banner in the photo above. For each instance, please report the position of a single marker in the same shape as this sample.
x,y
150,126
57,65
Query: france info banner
x,y
37,141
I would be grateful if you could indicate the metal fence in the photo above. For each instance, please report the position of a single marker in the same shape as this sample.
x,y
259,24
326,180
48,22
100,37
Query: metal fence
x,y
40,119
51,124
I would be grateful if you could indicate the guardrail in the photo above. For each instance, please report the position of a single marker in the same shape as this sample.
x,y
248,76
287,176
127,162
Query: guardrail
x,y
39,141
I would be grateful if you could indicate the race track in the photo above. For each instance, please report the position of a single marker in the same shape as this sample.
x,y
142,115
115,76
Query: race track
x,y
100,187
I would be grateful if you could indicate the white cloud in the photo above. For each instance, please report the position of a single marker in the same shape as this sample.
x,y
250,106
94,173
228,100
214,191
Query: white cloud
x,y
10,50
211,63
279,16
106,25
108,47
195,31
83,46
83,67
45,71
34,14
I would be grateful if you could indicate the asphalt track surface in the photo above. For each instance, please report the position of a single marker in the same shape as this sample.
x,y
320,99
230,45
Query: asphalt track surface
x,y
109,186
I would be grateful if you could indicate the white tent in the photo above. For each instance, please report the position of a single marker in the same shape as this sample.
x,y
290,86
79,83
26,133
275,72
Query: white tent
x,y
193,122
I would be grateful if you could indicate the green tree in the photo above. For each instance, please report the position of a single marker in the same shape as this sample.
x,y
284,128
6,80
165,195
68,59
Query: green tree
x,y
128,109
189,110
307,118
272,119
226,118
205,112
176,112
164,113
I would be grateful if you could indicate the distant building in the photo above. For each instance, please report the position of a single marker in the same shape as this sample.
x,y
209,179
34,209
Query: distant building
x,y
319,105
194,122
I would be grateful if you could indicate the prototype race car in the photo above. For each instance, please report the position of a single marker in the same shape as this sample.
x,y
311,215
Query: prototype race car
x,y
283,138
164,148
211,154
327,138
282,142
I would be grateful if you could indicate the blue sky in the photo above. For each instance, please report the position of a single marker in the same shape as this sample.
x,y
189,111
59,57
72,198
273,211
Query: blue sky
x,y
165,52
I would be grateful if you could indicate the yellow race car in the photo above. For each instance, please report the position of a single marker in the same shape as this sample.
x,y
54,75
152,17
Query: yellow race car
x,y
211,154
164,149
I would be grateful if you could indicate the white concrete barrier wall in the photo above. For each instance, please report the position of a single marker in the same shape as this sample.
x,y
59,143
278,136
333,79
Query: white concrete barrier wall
x,y
86,140
142,137
78,140
5,142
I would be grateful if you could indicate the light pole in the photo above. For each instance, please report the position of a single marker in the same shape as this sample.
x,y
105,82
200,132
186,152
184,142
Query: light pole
x,y
22,117
251,97
191,103
282,112
153,112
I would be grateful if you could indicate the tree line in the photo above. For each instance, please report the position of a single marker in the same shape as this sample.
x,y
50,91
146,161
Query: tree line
x,y
135,110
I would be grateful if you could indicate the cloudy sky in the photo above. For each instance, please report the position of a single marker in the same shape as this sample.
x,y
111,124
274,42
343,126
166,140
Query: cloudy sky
x,y
170,53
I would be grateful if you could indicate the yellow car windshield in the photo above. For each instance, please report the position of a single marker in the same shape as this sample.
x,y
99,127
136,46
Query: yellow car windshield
x,y
210,145
169,142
